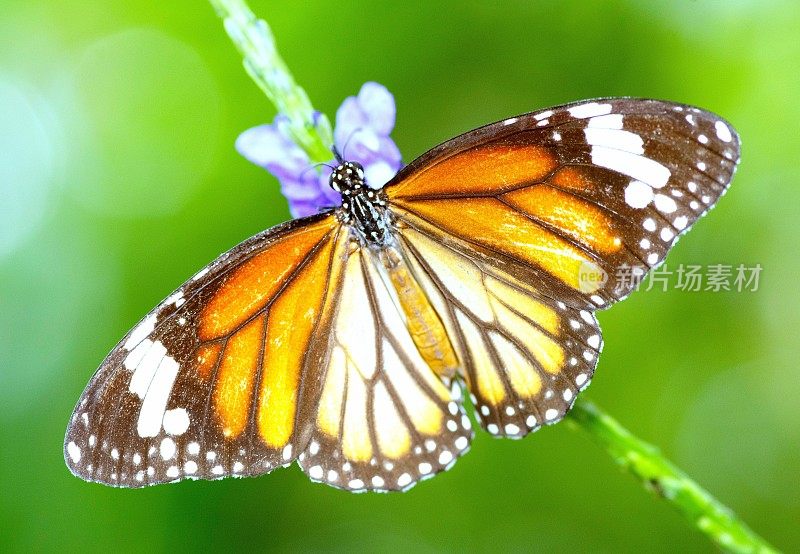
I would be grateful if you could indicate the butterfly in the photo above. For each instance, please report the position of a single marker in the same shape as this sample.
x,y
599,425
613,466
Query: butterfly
x,y
346,340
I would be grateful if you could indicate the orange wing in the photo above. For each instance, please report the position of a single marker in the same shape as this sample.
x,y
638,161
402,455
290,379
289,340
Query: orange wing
x,y
573,197
218,379
291,346
519,230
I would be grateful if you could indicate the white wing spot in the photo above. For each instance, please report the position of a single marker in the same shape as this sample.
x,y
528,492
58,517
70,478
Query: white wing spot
x,y
551,414
217,470
492,428
356,484
445,457
190,467
176,421
193,448
315,472
638,194
665,204
425,468
287,452
512,429
377,481
404,480
172,472
176,299
141,332
201,273
723,132
633,165
461,443
530,421
580,379
594,341
591,109
167,448
237,466
74,452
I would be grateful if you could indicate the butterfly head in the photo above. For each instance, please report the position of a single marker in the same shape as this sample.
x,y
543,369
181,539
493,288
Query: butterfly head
x,y
348,179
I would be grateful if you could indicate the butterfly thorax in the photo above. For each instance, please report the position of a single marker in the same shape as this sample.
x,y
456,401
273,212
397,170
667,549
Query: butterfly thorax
x,y
362,206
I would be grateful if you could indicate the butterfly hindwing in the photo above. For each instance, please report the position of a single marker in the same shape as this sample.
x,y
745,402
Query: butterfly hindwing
x,y
385,419
524,356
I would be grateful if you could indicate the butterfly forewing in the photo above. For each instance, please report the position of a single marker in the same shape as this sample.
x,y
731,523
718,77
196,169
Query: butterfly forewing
x,y
202,387
576,194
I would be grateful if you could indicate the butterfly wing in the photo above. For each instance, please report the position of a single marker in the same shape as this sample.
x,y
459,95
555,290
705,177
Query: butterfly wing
x,y
524,355
218,379
572,196
288,346
385,419
519,230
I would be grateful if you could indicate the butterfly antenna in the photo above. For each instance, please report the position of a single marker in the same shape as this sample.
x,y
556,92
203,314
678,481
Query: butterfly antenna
x,y
337,155
309,168
341,158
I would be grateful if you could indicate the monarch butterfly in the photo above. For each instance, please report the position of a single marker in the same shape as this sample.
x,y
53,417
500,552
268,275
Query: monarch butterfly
x,y
343,340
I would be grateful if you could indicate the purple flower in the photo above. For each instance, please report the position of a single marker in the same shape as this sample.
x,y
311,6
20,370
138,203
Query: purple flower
x,y
363,125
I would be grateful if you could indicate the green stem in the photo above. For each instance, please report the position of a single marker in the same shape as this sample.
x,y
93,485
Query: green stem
x,y
647,464
312,132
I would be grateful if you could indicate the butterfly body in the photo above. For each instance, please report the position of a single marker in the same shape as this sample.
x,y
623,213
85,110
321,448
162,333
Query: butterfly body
x,y
346,341
362,206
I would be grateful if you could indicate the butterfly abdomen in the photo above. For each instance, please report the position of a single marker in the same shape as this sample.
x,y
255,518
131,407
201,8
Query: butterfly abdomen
x,y
424,324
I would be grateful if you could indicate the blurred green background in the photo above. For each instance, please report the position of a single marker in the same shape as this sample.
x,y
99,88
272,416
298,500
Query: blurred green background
x,y
118,180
